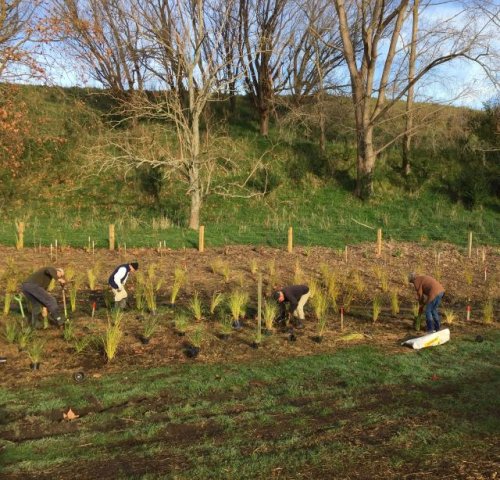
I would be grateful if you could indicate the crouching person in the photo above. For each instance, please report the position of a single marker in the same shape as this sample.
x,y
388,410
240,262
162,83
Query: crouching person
x,y
35,288
117,282
297,296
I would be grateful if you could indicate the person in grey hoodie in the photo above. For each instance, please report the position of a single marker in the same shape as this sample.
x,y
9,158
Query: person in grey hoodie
x,y
117,282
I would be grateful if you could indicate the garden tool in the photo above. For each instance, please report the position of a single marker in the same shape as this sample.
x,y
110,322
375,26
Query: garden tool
x,y
64,302
19,299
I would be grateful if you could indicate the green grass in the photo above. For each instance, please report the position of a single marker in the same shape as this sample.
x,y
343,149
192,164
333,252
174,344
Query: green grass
x,y
356,413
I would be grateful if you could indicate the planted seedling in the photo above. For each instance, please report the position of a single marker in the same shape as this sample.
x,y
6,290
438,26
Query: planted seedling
x,y
24,336
376,308
152,286
81,344
35,351
394,302
254,266
149,328
488,311
450,316
195,307
320,307
196,338
216,300
179,280
74,286
269,314
10,330
417,316
226,327
69,330
111,340
237,304
181,323
9,292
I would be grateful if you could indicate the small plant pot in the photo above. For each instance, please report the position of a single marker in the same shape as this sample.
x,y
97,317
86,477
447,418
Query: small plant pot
x,y
223,336
237,325
255,345
292,337
479,338
35,366
192,352
267,332
180,334
144,340
317,338
78,377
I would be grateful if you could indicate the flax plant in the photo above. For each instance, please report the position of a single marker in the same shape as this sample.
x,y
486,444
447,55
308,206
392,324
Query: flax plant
x,y
215,301
254,266
69,331
74,286
347,300
181,322
376,308
35,350
179,280
81,344
450,316
111,340
384,281
196,308
417,316
394,302
488,311
10,290
10,330
359,284
150,326
237,304
24,336
269,313
320,307
226,325
197,336
115,316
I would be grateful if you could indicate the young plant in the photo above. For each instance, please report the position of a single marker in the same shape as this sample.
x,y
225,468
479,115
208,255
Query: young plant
x,y
226,325
417,316
181,323
179,280
197,336
298,274
254,266
81,344
269,313
237,304
92,278
196,308
488,311
376,308
320,307
216,300
271,267
35,350
139,292
24,337
450,316
10,290
152,286
111,340
115,316
347,299
150,326
74,286
384,281
258,334
469,276
69,331
394,302
10,330
359,284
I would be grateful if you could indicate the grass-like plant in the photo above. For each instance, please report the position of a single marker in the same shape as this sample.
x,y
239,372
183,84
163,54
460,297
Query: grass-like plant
x,y
150,326
417,316
24,336
226,325
111,340
320,308
10,330
468,276
179,280
313,288
81,344
215,301
376,308
269,314
35,350
73,288
347,299
69,330
69,273
10,290
271,268
181,322
237,301
449,316
358,282
394,302
152,286
384,281
254,266
197,336
298,273
221,267
196,307
92,278
488,311
115,316
140,301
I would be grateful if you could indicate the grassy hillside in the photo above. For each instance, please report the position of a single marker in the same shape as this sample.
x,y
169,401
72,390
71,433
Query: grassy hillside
x,y
58,197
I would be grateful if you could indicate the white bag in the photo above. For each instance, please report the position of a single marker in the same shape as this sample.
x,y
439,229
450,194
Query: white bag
x,y
429,340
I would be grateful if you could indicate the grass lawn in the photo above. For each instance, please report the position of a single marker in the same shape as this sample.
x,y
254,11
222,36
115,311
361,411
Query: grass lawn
x,y
359,412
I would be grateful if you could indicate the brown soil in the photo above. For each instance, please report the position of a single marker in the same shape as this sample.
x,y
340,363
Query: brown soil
x,y
168,348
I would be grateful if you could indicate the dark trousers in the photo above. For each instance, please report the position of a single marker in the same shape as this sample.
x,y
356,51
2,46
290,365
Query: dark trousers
x,y
39,297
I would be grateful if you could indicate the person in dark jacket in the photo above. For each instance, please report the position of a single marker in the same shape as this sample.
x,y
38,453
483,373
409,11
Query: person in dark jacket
x,y
117,282
296,296
429,292
35,288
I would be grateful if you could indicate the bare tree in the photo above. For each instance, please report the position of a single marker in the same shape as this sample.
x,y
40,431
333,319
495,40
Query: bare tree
x,y
376,75
266,29
104,37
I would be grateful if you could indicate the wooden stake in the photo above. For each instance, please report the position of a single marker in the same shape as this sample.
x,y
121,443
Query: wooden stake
x,y
201,239
345,254
290,240
20,235
111,237
470,245
51,252
93,247
483,255
379,242
341,319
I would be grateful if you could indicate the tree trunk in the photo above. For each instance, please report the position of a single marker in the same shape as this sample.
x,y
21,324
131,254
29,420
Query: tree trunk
x,y
264,122
366,164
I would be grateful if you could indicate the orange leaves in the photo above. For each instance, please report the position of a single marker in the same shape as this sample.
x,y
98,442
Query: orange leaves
x,y
70,415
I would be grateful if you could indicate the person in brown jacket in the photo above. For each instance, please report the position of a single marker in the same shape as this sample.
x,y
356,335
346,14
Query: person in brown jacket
x,y
429,292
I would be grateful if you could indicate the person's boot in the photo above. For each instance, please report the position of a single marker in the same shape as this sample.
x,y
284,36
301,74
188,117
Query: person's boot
x,y
298,323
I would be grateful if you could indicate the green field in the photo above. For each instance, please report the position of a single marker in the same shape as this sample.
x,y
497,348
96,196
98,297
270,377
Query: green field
x,y
359,412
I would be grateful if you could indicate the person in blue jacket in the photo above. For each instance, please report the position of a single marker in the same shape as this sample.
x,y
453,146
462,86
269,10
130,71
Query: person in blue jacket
x,y
117,282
